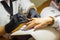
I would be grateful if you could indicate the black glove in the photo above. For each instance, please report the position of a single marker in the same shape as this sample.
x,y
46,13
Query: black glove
x,y
33,14
15,21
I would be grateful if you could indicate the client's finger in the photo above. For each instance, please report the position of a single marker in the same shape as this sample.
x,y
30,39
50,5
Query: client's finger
x,y
29,23
29,26
33,18
39,26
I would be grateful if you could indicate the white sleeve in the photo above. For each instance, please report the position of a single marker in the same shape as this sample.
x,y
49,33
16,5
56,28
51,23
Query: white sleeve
x,y
57,23
50,11
26,5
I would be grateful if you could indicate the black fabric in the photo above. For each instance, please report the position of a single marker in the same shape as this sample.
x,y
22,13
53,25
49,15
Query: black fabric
x,y
11,6
7,8
21,37
10,26
33,14
13,0
16,20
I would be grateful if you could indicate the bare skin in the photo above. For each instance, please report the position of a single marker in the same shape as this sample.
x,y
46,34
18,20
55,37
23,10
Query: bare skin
x,y
38,23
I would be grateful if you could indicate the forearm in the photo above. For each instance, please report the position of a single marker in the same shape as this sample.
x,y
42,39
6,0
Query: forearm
x,y
49,11
55,22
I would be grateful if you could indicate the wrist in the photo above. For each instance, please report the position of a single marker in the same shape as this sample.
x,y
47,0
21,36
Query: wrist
x,y
51,20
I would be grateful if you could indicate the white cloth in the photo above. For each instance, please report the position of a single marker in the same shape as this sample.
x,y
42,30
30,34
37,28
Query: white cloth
x,y
48,33
50,11
4,16
26,5
0,0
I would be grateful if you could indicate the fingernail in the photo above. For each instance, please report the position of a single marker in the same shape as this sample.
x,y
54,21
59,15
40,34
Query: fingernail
x,y
24,29
34,30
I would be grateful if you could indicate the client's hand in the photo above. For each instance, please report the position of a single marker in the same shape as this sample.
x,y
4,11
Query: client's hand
x,y
38,23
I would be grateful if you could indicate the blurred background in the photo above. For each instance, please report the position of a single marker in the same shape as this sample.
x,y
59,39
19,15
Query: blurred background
x,y
40,4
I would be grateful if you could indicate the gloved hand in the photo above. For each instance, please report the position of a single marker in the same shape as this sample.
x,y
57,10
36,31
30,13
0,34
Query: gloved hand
x,y
15,21
33,14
